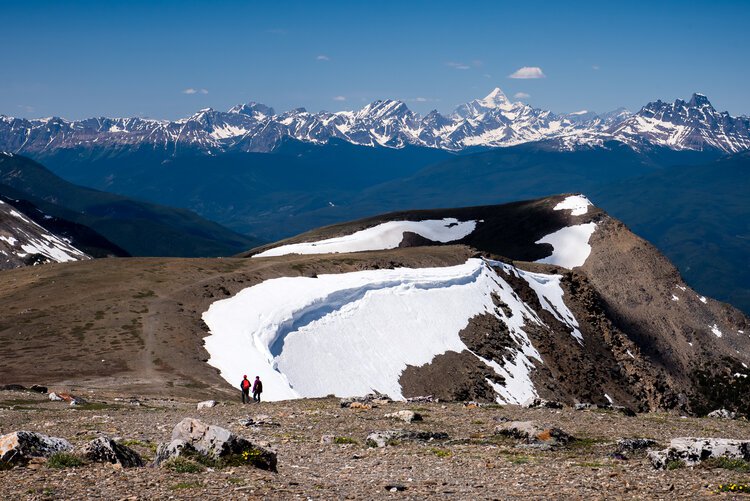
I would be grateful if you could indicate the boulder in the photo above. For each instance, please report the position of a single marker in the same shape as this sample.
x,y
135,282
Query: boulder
x,y
405,416
207,404
106,450
38,388
533,434
584,406
722,414
20,446
692,451
368,401
55,397
422,399
216,443
259,420
13,387
327,439
385,438
540,403
634,444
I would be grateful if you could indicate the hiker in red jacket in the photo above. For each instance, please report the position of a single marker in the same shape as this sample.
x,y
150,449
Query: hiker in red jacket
x,y
257,389
245,387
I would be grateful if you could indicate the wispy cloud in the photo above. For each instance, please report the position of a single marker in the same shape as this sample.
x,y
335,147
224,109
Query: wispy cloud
x,y
191,91
528,72
339,98
26,108
322,57
458,66
421,99
595,67
464,66
521,95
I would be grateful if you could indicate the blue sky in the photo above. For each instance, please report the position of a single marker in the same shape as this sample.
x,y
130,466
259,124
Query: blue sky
x,y
168,59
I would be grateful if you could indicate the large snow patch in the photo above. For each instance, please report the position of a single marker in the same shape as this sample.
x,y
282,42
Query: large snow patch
x,y
383,236
351,333
570,245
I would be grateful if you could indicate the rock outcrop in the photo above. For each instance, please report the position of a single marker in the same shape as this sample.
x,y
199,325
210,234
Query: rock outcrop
x,y
193,437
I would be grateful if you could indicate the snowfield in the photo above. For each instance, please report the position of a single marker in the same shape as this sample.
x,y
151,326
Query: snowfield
x,y
383,236
348,334
570,245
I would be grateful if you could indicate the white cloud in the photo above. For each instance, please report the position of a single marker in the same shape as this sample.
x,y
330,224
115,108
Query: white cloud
x,y
190,91
595,67
528,72
420,99
26,108
322,57
458,66
521,95
339,98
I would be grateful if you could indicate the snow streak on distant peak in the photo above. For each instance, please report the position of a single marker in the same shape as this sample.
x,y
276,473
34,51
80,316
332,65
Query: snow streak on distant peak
x,y
350,333
386,235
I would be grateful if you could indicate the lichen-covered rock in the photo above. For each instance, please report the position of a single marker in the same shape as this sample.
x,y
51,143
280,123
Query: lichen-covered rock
x,y
634,444
532,433
20,446
722,414
215,443
405,416
540,403
584,406
106,450
368,401
389,437
207,404
692,451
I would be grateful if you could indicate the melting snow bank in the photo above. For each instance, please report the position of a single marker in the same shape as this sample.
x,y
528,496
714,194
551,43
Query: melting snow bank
x,y
570,245
578,205
383,236
350,333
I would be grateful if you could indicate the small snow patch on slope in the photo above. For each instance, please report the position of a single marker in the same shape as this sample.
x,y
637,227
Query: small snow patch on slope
x,y
383,236
570,245
351,333
715,330
578,205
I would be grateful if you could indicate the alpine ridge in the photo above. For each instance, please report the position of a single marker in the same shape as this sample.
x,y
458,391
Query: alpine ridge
x,y
491,122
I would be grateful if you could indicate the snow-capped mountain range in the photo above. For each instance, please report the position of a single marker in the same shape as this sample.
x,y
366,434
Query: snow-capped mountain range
x,y
494,121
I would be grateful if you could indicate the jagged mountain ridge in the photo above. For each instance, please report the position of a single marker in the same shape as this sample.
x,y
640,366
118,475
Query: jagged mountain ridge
x,y
493,121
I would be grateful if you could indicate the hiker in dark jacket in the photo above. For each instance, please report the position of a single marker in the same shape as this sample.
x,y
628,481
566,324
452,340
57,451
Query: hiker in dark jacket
x,y
257,389
245,387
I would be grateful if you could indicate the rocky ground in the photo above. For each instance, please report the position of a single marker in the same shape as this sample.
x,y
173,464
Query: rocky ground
x,y
472,463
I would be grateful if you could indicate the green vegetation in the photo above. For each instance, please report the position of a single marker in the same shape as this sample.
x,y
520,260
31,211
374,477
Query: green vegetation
x,y
441,453
742,488
181,464
186,485
727,464
64,460
344,440
675,464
